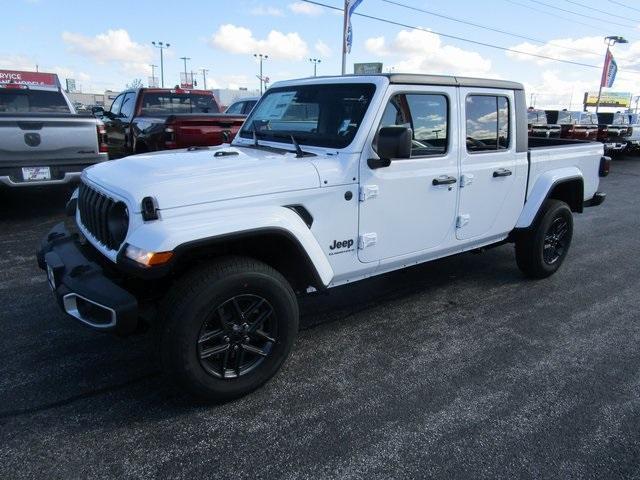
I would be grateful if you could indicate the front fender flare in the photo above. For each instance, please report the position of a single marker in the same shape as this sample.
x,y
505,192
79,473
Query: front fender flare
x,y
541,190
175,231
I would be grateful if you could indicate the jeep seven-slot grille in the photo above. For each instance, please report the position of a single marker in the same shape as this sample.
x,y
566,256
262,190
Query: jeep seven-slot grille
x,y
94,209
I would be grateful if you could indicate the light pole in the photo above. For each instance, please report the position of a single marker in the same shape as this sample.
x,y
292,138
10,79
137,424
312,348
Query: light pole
x,y
315,62
184,59
610,40
261,57
204,77
153,74
161,46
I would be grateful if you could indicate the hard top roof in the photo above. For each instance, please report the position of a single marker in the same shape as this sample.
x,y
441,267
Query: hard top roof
x,y
419,79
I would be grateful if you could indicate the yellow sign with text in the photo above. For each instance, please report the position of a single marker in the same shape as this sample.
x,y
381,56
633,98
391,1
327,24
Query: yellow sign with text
x,y
608,99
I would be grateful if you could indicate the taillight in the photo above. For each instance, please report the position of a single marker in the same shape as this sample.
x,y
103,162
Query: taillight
x,y
605,166
170,136
103,146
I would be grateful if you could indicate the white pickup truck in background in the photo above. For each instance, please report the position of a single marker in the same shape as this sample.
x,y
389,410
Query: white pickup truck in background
x,y
43,141
330,180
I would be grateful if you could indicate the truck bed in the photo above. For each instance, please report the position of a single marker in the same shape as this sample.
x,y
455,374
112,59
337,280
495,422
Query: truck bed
x,y
553,157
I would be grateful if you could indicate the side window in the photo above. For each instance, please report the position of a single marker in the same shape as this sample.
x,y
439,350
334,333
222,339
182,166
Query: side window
x,y
487,118
426,115
117,103
128,103
235,108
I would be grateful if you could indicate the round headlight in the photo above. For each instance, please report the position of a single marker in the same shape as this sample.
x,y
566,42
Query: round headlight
x,y
118,223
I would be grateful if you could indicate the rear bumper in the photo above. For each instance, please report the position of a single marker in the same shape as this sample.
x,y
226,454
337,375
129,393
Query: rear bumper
x,y
63,171
598,199
82,288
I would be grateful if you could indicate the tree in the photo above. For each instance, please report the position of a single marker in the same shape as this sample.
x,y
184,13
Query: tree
x,y
135,83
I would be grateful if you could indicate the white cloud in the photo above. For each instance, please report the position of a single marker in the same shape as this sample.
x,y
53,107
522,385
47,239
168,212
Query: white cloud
x,y
17,62
240,40
588,50
323,49
564,88
420,51
266,11
303,8
113,46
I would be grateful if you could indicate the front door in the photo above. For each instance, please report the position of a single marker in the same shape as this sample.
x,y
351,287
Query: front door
x,y
493,175
410,206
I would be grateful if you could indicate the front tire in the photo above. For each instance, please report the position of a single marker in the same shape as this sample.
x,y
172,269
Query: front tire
x,y
541,249
228,327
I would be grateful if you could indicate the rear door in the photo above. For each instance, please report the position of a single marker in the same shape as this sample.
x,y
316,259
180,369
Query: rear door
x,y
402,210
493,176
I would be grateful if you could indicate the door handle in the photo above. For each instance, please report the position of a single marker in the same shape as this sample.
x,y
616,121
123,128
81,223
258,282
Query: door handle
x,y
444,180
502,172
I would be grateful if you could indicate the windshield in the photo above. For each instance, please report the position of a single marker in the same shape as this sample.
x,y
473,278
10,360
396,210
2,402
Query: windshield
x,y
565,118
32,101
588,119
326,115
537,117
167,103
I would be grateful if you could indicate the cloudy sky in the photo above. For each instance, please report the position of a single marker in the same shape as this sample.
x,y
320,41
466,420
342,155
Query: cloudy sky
x,y
108,45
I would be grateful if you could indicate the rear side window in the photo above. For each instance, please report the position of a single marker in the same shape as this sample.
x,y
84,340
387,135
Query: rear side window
x,y
32,101
236,108
426,115
487,123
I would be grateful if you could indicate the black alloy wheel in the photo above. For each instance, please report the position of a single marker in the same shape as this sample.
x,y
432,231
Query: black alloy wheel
x,y
238,336
555,241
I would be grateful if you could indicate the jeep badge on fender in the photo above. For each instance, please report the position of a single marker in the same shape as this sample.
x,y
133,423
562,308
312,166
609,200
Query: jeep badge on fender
x,y
342,244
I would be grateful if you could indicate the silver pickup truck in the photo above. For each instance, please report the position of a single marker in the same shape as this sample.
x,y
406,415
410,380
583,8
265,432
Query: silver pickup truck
x,y
43,141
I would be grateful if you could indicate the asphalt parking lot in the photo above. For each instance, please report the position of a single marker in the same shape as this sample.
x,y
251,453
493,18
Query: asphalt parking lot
x,y
458,369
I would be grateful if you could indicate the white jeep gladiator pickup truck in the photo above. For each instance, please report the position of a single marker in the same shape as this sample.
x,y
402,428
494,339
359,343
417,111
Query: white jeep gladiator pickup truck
x,y
330,180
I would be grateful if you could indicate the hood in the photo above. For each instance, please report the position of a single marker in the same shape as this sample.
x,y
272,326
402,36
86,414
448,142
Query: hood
x,y
179,178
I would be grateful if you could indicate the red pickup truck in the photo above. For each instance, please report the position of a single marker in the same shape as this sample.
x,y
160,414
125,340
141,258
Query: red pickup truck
x,y
150,119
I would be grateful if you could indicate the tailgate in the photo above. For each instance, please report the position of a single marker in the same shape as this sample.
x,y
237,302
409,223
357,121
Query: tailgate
x,y
46,139
192,131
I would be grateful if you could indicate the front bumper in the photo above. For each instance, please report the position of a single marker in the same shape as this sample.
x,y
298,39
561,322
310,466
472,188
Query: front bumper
x,y
81,286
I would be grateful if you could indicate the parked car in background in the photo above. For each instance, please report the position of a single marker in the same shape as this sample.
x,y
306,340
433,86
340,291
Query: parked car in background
x,y
242,107
613,129
150,119
574,124
43,141
633,134
538,125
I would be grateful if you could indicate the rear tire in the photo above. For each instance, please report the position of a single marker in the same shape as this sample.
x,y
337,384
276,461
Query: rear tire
x,y
541,249
228,327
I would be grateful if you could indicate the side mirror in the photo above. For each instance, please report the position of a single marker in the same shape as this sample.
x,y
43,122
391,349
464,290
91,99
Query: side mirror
x,y
393,142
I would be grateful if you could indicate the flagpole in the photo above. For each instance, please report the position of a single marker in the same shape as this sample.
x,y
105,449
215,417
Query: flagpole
x,y
602,78
344,39
611,40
